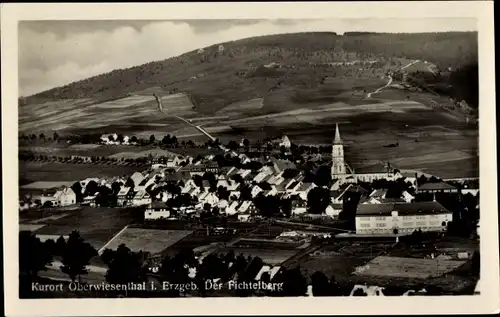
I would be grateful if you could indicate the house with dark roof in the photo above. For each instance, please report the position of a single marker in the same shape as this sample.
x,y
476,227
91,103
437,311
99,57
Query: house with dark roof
x,y
157,210
441,187
401,218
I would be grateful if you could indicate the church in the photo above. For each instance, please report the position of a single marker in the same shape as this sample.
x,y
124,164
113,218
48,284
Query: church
x,y
343,173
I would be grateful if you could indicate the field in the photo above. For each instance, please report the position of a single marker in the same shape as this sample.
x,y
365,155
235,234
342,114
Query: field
x,y
64,149
270,257
408,267
271,252
46,185
338,259
196,240
148,240
62,172
96,225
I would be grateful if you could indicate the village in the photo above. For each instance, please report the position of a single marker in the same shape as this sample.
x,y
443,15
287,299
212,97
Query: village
x,y
266,207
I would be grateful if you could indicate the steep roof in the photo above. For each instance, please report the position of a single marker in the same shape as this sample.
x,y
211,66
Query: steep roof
x,y
436,186
158,205
378,193
385,209
124,191
375,168
304,186
337,139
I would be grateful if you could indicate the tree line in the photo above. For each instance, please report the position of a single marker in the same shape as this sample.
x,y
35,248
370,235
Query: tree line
x,y
126,266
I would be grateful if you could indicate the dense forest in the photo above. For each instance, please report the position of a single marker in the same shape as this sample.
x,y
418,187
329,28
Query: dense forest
x,y
231,70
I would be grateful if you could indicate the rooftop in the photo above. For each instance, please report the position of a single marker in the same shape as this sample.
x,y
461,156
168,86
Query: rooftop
x,y
385,209
158,204
304,186
435,186
375,168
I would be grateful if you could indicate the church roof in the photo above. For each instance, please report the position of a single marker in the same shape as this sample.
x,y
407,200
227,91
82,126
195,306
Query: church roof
x,y
375,168
337,139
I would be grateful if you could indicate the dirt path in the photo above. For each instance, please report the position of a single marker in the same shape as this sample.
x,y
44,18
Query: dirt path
x,y
369,95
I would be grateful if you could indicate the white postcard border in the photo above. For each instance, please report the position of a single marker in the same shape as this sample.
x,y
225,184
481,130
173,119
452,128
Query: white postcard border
x,y
487,302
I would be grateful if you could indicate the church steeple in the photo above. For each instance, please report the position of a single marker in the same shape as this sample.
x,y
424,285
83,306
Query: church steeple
x,y
337,139
338,164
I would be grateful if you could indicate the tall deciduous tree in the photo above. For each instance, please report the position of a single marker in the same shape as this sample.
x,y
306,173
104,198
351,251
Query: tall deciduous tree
x,y
76,256
124,266
317,200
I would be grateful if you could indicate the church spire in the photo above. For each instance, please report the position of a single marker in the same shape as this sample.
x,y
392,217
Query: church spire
x,y
337,139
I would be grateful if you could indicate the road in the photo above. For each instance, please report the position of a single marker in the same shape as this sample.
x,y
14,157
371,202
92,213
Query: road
x,y
369,95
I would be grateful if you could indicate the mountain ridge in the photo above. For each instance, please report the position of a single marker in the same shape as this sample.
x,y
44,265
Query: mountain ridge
x,y
240,65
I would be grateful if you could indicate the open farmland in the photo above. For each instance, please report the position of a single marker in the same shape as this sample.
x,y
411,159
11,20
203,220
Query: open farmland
x,y
64,149
268,256
148,240
408,267
132,113
63,172
96,225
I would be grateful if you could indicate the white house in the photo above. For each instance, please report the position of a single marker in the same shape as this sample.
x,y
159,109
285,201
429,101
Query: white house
x,y
65,197
261,176
256,190
223,204
232,209
271,192
245,207
157,210
304,189
285,142
235,193
407,197
208,198
333,210
401,218
244,173
141,198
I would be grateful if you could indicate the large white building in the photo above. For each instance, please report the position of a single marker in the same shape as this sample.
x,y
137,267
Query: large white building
x,y
401,218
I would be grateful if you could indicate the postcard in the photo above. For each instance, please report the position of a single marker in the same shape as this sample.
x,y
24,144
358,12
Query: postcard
x,y
249,158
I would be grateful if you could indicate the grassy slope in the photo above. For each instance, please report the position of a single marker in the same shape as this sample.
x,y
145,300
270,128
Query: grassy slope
x,y
231,75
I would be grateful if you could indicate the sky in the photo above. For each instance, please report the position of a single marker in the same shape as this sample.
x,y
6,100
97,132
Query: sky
x,y
56,53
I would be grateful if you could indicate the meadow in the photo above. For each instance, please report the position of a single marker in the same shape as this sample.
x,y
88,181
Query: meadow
x,y
150,240
62,172
408,267
96,225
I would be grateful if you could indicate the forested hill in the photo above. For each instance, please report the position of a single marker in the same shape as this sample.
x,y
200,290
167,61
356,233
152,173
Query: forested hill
x,y
233,71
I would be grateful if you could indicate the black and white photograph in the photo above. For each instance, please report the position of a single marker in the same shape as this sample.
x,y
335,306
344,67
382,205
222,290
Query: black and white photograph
x,y
249,157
